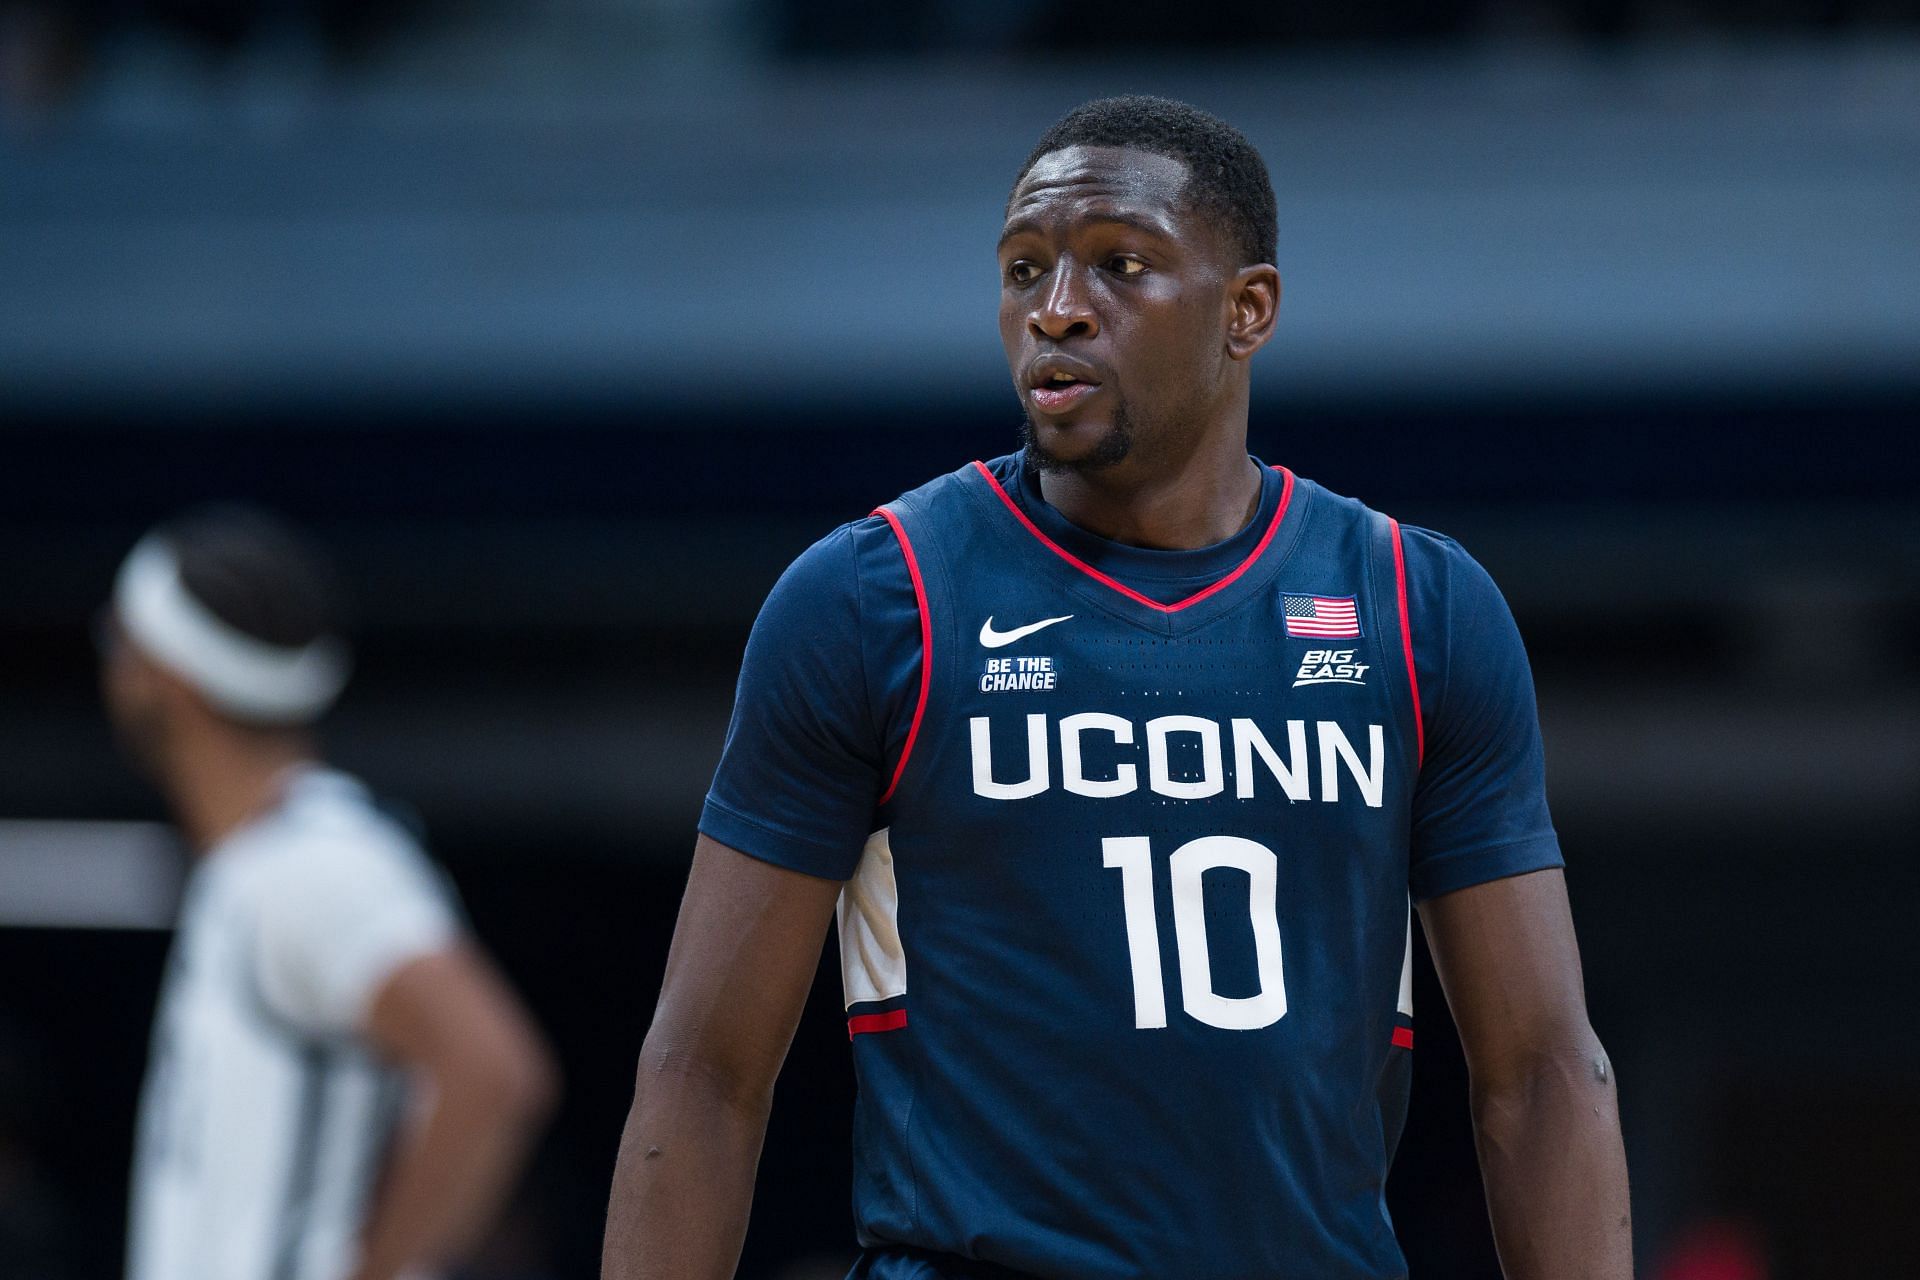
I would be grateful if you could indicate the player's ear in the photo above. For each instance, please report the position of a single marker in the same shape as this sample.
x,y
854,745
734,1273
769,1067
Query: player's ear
x,y
1253,303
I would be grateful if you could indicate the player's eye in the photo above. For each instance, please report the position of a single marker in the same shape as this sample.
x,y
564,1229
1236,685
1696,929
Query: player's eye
x,y
1023,272
1125,265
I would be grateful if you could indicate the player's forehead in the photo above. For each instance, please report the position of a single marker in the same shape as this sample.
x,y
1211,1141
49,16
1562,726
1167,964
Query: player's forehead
x,y
1081,184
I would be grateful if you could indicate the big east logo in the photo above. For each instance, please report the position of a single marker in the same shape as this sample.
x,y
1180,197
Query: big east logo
x,y
1330,666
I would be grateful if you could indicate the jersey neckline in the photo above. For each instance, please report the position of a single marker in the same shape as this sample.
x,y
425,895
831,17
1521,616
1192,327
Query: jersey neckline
x,y
1117,566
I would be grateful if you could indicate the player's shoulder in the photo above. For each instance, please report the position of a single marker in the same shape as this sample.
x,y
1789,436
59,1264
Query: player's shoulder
x,y
866,555
944,492
1429,548
830,577
1334,513
1452,601
1443,580
1330,517
1441,564
330,835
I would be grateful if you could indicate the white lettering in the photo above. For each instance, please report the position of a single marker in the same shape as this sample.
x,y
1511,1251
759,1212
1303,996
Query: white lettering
x,y
1125,776
1255,758
1212,775
1335,748
1247,739
1330,666
1036,780
1002,681
1133,855
1189,865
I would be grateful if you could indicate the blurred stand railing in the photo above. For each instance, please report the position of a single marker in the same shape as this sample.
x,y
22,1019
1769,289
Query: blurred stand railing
x,y
1537,221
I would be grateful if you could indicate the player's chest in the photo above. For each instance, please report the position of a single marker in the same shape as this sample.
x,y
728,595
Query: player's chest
x,y
214,988
1071,711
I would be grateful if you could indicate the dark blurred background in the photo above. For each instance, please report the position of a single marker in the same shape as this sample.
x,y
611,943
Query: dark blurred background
x,y
569,324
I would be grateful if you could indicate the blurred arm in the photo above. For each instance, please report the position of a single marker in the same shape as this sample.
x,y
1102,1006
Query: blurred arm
x,y
449,1018
744,954
1545,1118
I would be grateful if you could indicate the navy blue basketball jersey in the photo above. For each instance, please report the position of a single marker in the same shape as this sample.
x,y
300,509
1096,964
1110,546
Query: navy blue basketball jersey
x,y
1130,839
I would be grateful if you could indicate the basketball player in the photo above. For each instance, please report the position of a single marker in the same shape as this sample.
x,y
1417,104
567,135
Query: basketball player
x,y
341,1086
1122,758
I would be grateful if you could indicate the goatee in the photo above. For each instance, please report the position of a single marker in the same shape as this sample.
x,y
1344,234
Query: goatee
x,y
1109,450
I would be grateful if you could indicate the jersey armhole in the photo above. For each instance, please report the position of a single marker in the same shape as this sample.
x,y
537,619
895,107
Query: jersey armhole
x,y
926,647
1406,641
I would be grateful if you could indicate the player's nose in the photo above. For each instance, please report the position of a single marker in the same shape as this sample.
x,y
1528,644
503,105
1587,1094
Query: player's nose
x,y
1064,309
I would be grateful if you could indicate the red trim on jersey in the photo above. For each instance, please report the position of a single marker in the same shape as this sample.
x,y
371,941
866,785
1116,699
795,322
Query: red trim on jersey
x,y
1403,1037
926,652
1406,645
1273,527
866,1023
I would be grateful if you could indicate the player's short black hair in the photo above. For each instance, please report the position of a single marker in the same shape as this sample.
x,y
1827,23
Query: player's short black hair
x,y
1227,180
257,574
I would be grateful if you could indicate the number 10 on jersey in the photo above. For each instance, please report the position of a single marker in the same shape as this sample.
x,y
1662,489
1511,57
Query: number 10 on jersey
x,y
1133,857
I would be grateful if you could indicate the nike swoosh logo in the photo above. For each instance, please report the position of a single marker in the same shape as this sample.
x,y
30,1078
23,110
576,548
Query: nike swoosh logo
x,y
994,639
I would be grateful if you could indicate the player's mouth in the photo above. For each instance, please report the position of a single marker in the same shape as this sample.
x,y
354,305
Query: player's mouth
x,y
1056,383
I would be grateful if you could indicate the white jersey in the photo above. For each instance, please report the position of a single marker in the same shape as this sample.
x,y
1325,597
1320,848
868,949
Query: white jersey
x,y
265,1118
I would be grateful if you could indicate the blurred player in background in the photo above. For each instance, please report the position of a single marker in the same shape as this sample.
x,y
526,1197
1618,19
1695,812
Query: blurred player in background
x,y
1122,757
341,1086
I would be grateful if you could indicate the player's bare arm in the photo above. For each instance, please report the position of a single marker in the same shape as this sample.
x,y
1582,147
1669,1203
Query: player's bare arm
x,y
744,953
1545,1116
451,1019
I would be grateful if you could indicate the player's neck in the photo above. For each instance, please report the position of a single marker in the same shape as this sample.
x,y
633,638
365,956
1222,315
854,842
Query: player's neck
x,y
1180,504
224,779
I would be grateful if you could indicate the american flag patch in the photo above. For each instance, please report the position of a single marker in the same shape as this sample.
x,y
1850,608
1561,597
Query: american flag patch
x,y
1322,617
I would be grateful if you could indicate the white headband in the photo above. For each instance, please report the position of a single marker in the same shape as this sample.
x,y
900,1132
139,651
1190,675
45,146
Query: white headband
x,y
247,678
